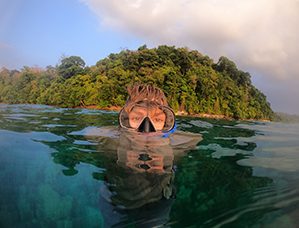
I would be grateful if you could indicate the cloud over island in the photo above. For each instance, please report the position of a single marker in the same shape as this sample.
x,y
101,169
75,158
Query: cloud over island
x,y
259,35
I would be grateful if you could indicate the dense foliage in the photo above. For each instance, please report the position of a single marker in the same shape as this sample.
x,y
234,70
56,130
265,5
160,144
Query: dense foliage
x,y
192,82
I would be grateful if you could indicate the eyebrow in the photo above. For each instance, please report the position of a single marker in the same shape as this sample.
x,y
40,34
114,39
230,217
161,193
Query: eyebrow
x,y
159,114
137,113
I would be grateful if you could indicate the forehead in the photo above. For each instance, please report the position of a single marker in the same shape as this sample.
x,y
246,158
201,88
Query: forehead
x,y
144,110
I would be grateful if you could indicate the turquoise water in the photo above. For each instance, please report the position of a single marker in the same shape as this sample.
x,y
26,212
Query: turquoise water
x,y
57,171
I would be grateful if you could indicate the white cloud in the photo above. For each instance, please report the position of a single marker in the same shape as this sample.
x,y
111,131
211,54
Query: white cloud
x,y
259,35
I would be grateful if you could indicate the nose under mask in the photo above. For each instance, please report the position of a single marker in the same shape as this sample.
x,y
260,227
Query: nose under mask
x,y
146,126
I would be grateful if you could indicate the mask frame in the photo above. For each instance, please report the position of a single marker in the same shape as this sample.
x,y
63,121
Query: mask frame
x,y
123,118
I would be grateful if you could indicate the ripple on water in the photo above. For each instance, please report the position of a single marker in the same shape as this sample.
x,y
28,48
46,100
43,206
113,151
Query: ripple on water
x,y
284,164
269,201
45,137
19,116
83,142
58,125
201,124
93,111
220,151
110,132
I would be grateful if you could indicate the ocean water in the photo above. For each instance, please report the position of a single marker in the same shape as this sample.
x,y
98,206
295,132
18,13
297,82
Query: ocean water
x,y
72,168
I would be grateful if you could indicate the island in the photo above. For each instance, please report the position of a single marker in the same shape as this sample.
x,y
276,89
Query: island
x,y
193,83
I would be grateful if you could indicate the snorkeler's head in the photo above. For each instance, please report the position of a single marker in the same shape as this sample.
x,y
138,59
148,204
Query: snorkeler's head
x,y
146,110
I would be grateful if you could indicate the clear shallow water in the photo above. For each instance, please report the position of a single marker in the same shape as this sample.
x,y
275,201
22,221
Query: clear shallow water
x,y
55,173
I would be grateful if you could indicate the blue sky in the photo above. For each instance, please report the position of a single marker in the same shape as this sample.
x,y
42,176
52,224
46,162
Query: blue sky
x,y
260,36
39,32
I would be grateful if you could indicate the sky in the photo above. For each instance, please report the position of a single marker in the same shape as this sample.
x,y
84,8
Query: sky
x,y
260,36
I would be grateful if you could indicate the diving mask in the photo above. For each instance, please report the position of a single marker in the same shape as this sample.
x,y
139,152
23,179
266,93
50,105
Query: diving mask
x,y
147,117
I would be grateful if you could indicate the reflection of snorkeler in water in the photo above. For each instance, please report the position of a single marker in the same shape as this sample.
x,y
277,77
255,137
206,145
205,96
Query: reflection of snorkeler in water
x,y
141,184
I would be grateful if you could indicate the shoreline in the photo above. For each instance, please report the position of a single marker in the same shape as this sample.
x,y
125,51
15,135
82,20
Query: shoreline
x,y
178,113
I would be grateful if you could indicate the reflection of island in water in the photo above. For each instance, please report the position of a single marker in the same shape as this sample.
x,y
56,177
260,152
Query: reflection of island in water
x,y
140,188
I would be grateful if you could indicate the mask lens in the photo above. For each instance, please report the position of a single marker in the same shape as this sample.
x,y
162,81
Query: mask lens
x,y
136,116
161,118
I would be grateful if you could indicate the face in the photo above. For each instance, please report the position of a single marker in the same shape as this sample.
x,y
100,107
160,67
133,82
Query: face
x,y
156,115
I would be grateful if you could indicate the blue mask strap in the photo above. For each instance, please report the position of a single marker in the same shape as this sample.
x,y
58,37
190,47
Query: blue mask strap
x,y
166,134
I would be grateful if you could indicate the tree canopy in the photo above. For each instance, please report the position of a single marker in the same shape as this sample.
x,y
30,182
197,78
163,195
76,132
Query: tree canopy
x,y
71,66
192,82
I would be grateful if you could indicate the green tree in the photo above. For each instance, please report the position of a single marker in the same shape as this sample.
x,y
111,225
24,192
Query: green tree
x,y
71,66
192,82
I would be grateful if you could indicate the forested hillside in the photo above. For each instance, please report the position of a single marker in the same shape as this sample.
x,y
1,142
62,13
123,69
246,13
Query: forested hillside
x,y
192,82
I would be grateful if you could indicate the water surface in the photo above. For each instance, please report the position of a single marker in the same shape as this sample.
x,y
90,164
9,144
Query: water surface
x,y
55,171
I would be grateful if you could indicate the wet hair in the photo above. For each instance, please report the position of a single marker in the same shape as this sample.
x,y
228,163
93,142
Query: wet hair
x,y
140,92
